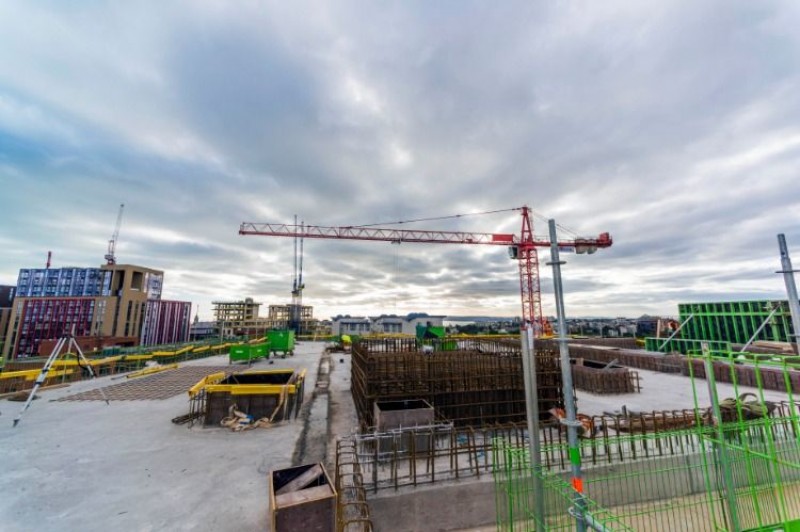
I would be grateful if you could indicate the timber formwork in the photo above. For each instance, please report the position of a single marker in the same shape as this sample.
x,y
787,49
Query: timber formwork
x,y
478,383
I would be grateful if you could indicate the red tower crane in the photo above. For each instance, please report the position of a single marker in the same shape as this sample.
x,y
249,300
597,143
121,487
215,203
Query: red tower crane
x,y
522,247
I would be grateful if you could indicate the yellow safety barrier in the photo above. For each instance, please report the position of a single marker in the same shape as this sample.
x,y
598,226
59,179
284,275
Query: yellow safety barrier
x,y
164,353
210,384
251,389
137,357
150,371
31,374
93,363
26,373
208,379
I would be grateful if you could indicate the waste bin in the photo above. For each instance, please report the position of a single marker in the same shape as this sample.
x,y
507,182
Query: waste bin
x,y
238,353
281,340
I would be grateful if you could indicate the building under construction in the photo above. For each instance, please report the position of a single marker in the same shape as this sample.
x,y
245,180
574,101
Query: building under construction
x,y
285,316
473,382
240,318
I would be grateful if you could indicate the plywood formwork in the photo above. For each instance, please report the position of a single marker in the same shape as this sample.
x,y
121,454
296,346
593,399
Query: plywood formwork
x,y
477,382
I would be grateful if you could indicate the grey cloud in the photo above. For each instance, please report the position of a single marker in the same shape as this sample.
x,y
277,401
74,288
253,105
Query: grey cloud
x,y
673,126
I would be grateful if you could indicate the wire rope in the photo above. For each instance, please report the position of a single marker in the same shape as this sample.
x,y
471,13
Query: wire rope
x,y
450,217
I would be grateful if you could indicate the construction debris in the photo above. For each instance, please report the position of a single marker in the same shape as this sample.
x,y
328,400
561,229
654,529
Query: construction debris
x,y
238,421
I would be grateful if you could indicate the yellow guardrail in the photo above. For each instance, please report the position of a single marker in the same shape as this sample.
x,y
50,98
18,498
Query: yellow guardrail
x,y
25,373
137,357
211,384
31,374
150,371
93,363
208,379
251,389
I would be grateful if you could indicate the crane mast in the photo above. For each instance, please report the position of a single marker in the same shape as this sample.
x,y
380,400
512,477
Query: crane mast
x,y
529,286
296,307
110,257
522,247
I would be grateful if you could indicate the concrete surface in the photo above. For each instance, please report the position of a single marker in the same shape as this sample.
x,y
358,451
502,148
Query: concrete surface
x,y
89,466
663,391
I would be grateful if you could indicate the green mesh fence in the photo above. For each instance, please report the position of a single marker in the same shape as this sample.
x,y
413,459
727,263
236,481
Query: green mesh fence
x,y
737,468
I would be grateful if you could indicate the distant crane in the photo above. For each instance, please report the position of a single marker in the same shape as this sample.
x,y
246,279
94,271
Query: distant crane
x,y
110,257
296,308
49,257
522,248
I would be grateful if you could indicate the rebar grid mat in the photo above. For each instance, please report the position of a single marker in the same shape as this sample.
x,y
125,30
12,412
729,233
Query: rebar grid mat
x,y
152,387
352,510
468,382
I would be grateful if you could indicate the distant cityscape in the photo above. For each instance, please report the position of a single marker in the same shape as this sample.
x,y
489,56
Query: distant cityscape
x,y
605,327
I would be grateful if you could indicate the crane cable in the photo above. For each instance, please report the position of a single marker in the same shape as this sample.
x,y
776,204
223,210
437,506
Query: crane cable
x,y
543,218
572,233
452,216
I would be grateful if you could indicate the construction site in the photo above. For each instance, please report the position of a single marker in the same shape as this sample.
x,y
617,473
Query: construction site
x,y
697,429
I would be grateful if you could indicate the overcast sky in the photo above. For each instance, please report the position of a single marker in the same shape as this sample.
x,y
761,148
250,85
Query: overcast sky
x,y
675,126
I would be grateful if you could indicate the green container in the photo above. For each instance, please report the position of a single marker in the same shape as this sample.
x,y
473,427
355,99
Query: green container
x,y
281,341
260,350
238,353
425,332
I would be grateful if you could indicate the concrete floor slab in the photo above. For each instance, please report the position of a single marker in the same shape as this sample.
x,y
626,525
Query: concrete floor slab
x,y
664,391
85,465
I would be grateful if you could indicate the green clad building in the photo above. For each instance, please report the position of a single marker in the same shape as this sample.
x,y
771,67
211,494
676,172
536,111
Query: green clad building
x,y
727,324
736,321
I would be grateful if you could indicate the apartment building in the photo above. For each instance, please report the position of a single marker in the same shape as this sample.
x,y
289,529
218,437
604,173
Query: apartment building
x,y
107,304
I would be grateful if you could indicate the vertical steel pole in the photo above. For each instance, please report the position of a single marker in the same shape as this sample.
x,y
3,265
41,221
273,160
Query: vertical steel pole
x,y
719,445
532,411
566,377
791,288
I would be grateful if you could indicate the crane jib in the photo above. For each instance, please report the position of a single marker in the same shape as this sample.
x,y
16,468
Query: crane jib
x,y
521,247
376,233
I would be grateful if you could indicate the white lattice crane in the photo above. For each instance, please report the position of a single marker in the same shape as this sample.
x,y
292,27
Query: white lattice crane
x,y
110,257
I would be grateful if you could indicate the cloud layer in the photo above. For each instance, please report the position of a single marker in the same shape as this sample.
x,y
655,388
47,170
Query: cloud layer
x,y
674,126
